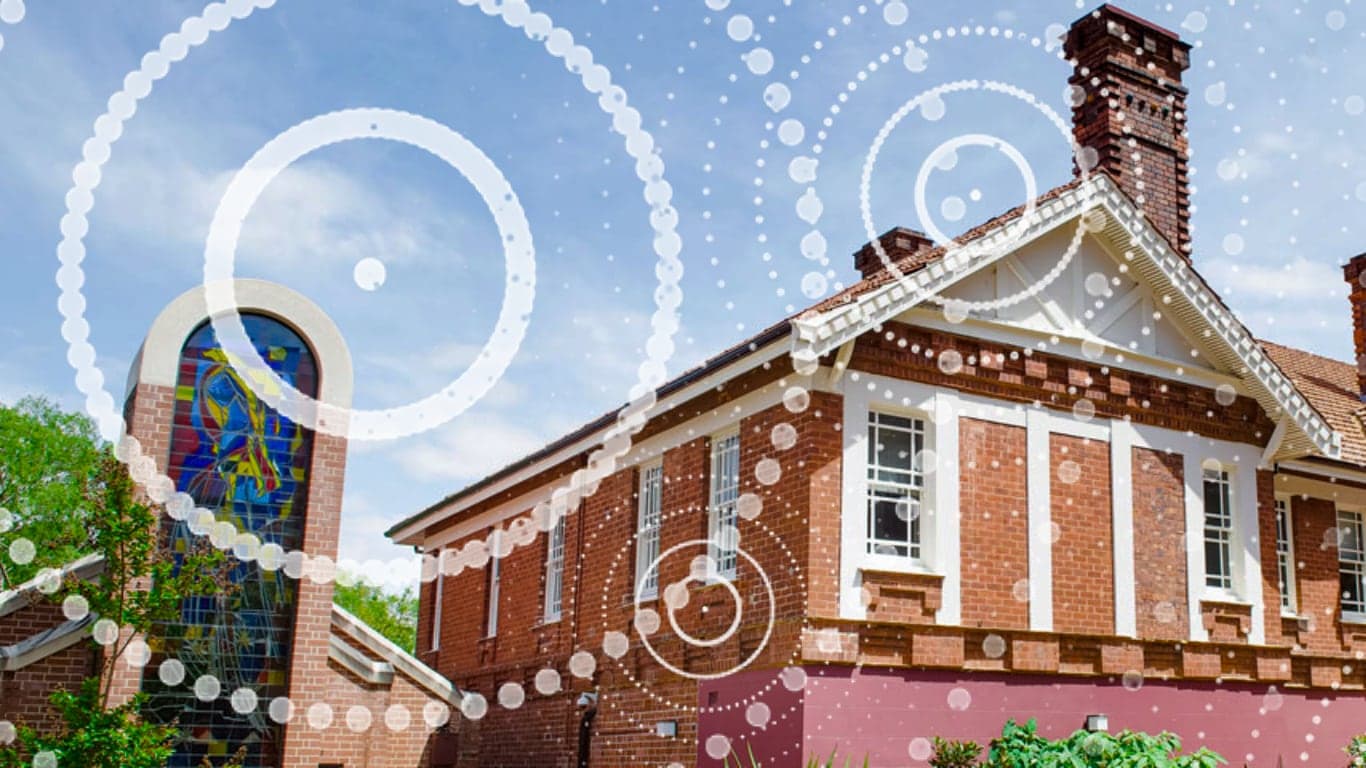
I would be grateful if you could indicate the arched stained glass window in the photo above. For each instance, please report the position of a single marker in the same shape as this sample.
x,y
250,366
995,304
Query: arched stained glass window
x,y
236,456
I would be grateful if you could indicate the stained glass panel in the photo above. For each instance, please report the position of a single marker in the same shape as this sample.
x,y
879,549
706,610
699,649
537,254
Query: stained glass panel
x,y
234,454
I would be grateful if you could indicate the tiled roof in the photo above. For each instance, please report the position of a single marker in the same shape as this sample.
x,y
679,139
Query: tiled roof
x,y
919,261
1353,435
1331,386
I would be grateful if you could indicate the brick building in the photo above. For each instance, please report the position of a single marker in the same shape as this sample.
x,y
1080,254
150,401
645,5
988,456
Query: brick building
x,y
271,666
1042,473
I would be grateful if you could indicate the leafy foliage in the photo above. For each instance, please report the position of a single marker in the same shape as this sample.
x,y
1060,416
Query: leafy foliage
x,y
92,736
1020,746
124,532
73,497
954,754
392,615
1357,751
47,459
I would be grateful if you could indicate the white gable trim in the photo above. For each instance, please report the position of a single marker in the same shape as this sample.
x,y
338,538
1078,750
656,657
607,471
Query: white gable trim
x,y
1169,275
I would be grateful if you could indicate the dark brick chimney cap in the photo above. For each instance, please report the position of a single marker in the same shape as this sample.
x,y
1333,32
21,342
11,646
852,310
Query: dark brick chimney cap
x,y
1113,10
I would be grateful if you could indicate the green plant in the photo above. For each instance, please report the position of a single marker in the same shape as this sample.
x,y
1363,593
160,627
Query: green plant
x,y
47,460
1020,746
954,754
90,731
392,615
1357,751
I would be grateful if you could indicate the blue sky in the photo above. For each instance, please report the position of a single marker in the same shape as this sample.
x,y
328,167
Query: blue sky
x,y
1276,121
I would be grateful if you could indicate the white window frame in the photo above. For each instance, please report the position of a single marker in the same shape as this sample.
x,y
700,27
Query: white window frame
x,y
1221,533
438,587
722,502
939,532
1285,556
494,586
554,571
1352,562
912,489
649,524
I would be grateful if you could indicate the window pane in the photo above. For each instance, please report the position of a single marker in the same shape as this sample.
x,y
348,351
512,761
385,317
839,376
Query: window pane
x,y
890,519
1353,598
725,489
1214,568
894,446
647,538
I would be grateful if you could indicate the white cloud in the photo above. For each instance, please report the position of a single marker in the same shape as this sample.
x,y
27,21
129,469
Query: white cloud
x,y
468,449
365,551
1299,278
1300,303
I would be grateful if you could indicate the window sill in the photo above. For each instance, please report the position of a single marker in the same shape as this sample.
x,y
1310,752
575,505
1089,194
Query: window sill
x,y
1351,617
904,567
1224,597
645,601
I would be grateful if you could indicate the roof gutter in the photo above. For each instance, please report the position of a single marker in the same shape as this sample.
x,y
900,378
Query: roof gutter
x,y
580,440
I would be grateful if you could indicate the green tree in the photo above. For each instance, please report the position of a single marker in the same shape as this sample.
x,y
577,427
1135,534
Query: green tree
x,y
47,459
115,524
392,615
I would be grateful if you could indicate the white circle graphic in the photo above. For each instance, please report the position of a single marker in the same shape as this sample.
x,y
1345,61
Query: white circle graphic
x,y
518,255
706,544
957,258
626,121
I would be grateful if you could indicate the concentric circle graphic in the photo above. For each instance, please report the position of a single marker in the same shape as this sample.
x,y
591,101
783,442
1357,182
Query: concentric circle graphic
x,y
96,152
960,256
457,151
706,576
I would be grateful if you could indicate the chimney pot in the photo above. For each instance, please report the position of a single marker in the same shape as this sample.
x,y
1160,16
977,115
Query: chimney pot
x,y
1135,65
906,248
1355,273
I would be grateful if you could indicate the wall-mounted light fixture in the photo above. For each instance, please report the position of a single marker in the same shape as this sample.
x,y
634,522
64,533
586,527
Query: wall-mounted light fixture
x,y
666,729
1097,724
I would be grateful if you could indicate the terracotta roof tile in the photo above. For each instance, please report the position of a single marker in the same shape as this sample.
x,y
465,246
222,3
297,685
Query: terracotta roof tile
x,y
918,261
1332,388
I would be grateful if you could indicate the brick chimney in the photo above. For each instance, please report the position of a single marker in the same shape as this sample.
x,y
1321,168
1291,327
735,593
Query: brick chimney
x,y
1132,120
907,248
1355,272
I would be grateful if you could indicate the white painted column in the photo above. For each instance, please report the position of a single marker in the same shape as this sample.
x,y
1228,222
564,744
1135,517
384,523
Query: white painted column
x,y
1246,532
854,504
1040,521
945,482
1195,543
1122,516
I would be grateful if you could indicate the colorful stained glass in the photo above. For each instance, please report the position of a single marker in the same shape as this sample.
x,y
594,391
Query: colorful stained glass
x,y
234,454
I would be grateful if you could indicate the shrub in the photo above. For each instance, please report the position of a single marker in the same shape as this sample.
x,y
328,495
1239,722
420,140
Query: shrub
x,y
1357,751
954,754
1020,746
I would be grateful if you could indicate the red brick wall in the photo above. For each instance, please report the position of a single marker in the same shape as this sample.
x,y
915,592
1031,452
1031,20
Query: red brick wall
x,y
376,746
599,581
1083,554
1159,545
995,524
24,693
1319,582
308,678
1266,539
821,449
